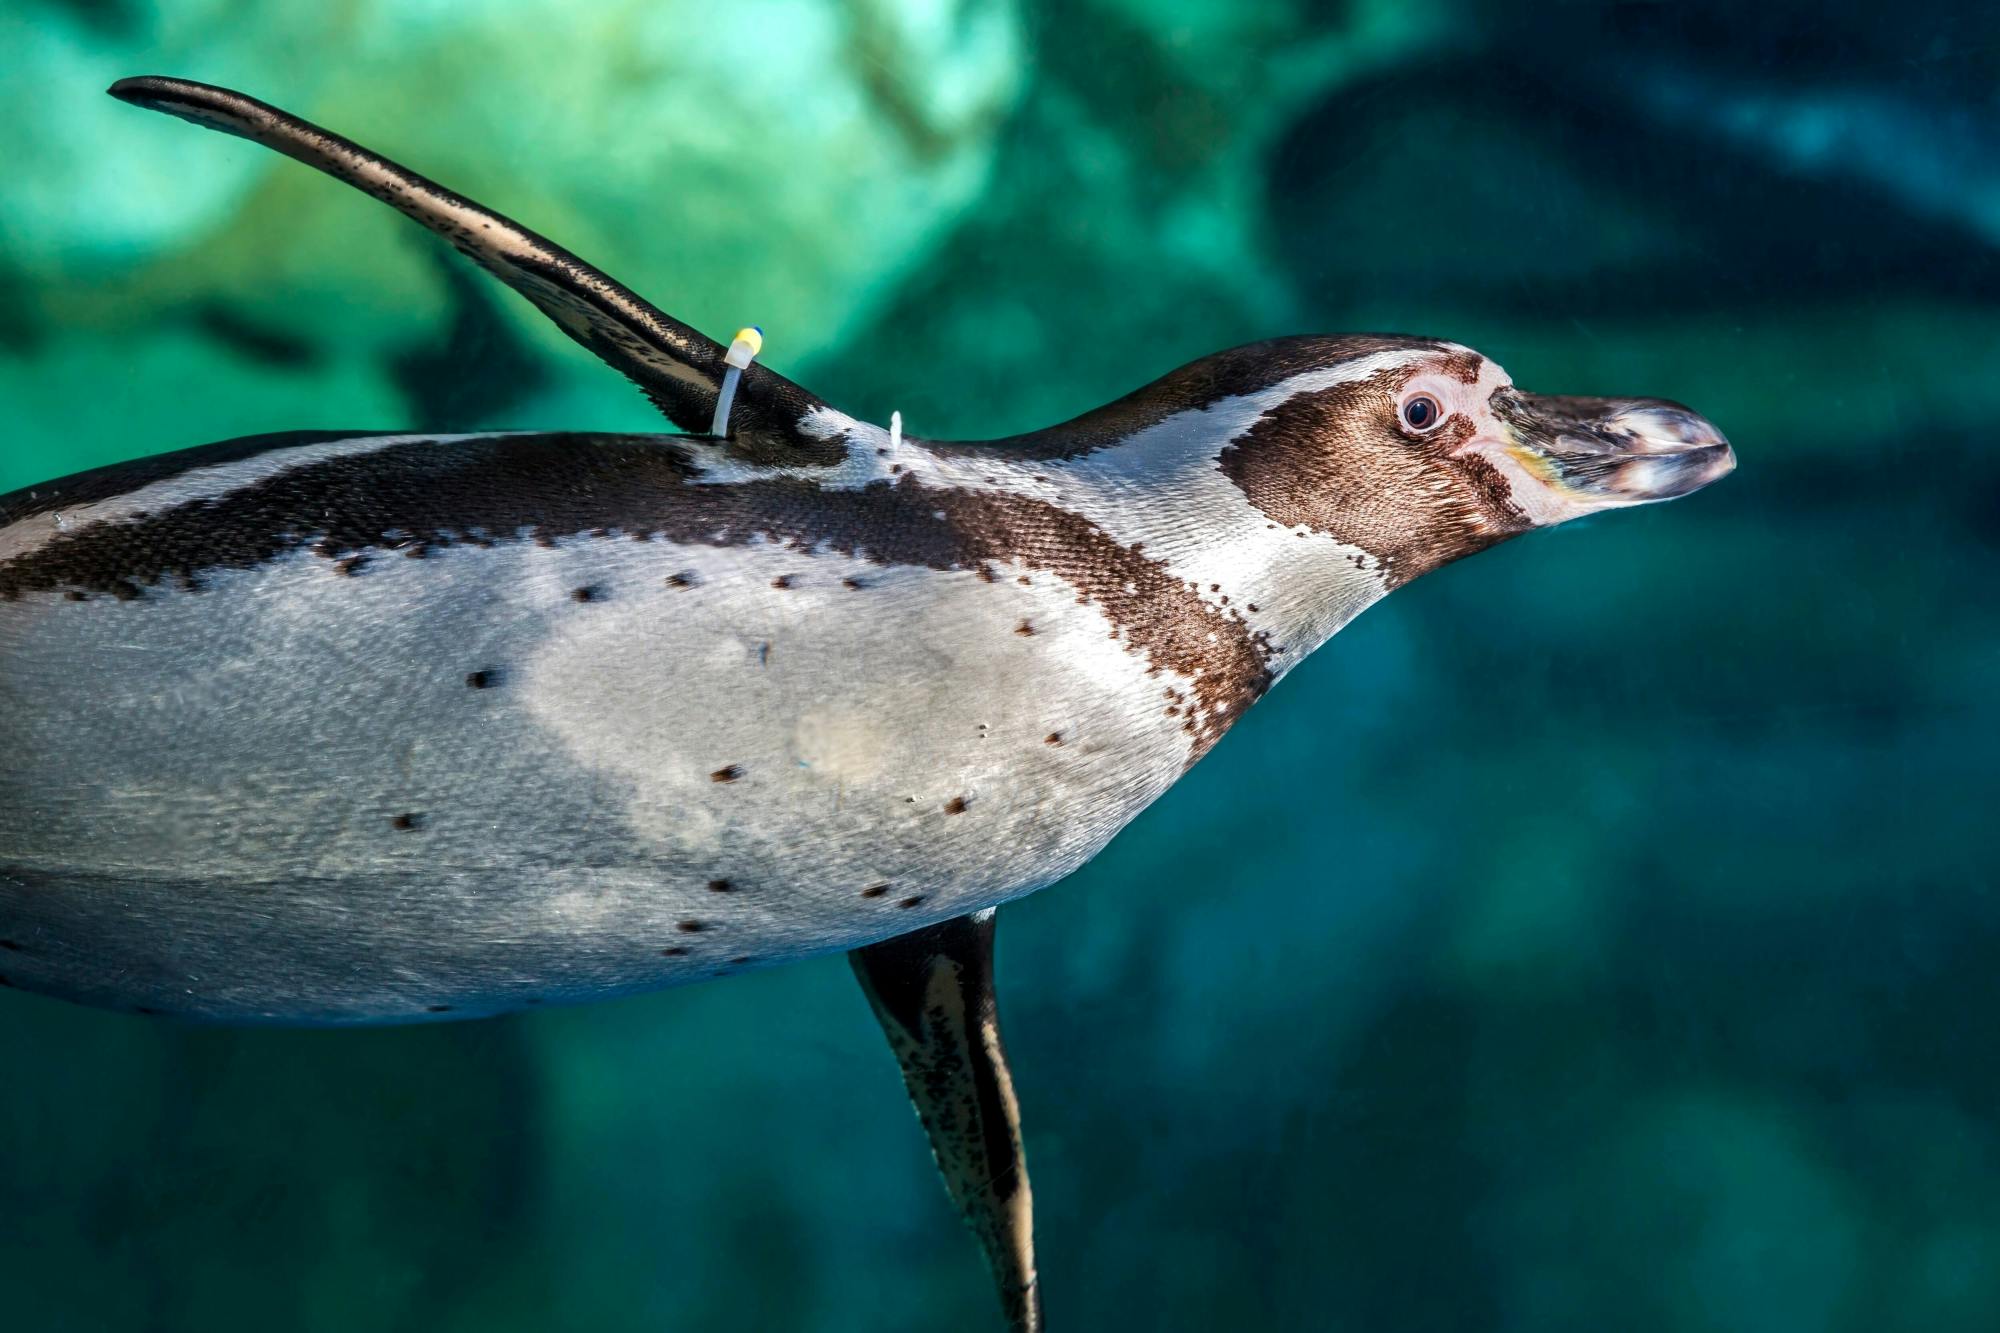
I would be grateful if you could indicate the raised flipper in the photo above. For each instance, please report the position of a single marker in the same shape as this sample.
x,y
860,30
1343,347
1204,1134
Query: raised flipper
x,y
679,368
933,991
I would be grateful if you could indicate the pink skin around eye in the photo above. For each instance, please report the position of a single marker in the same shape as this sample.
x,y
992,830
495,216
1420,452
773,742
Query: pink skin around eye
x,y
1535,500
1454,396
1532,496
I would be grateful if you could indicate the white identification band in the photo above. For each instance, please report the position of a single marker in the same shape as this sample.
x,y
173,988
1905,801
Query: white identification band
x,y
743,349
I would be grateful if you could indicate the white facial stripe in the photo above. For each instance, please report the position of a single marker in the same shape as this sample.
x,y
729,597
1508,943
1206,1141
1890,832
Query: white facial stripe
x,y
1491,378
204,483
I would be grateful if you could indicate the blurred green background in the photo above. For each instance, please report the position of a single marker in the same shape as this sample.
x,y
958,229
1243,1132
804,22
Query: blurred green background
x,y
1601,934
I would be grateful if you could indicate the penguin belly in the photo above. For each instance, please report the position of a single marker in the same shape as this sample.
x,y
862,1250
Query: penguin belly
x,y
314,791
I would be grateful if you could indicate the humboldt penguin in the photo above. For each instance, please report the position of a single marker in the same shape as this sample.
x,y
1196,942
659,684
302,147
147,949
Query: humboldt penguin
x,y
373,727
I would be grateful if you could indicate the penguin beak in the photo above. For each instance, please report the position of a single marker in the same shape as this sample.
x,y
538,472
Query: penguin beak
x,y
1596,453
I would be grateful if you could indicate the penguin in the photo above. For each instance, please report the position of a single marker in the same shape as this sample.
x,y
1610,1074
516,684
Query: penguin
x,y
372,727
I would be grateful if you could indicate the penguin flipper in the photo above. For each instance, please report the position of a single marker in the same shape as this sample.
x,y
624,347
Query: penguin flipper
x,y
677,367
933,992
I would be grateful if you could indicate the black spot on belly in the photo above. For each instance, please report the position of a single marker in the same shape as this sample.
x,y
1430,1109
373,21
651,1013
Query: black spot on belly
x,y
1025,629
437,1008
720,886
956,805
404,823
10,946
691,927
875,890
727,773
1053,738
852,583
74,596
674,951
149,1013
915,900
587,595
782,581
480,680
680,580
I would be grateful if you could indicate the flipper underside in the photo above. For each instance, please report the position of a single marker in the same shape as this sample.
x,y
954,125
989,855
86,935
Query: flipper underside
x,y
933,992
677,367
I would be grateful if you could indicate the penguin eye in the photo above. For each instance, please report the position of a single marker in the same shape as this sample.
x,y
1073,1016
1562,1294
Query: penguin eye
x,y
1421,412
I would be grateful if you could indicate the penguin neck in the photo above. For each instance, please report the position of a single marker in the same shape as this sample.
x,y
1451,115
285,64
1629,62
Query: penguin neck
x,y
1294,586
1164,493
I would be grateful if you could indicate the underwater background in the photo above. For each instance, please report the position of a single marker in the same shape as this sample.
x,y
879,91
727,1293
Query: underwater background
x,y
1599,934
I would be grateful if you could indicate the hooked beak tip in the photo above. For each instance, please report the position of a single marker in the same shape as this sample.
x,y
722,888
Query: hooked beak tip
x,y
1667,474
1673,451
1627,451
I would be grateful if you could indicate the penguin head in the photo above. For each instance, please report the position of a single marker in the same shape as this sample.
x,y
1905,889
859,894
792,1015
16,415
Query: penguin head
x,y
1421,452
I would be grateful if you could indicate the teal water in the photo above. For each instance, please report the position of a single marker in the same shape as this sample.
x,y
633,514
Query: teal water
x,y
1599,934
